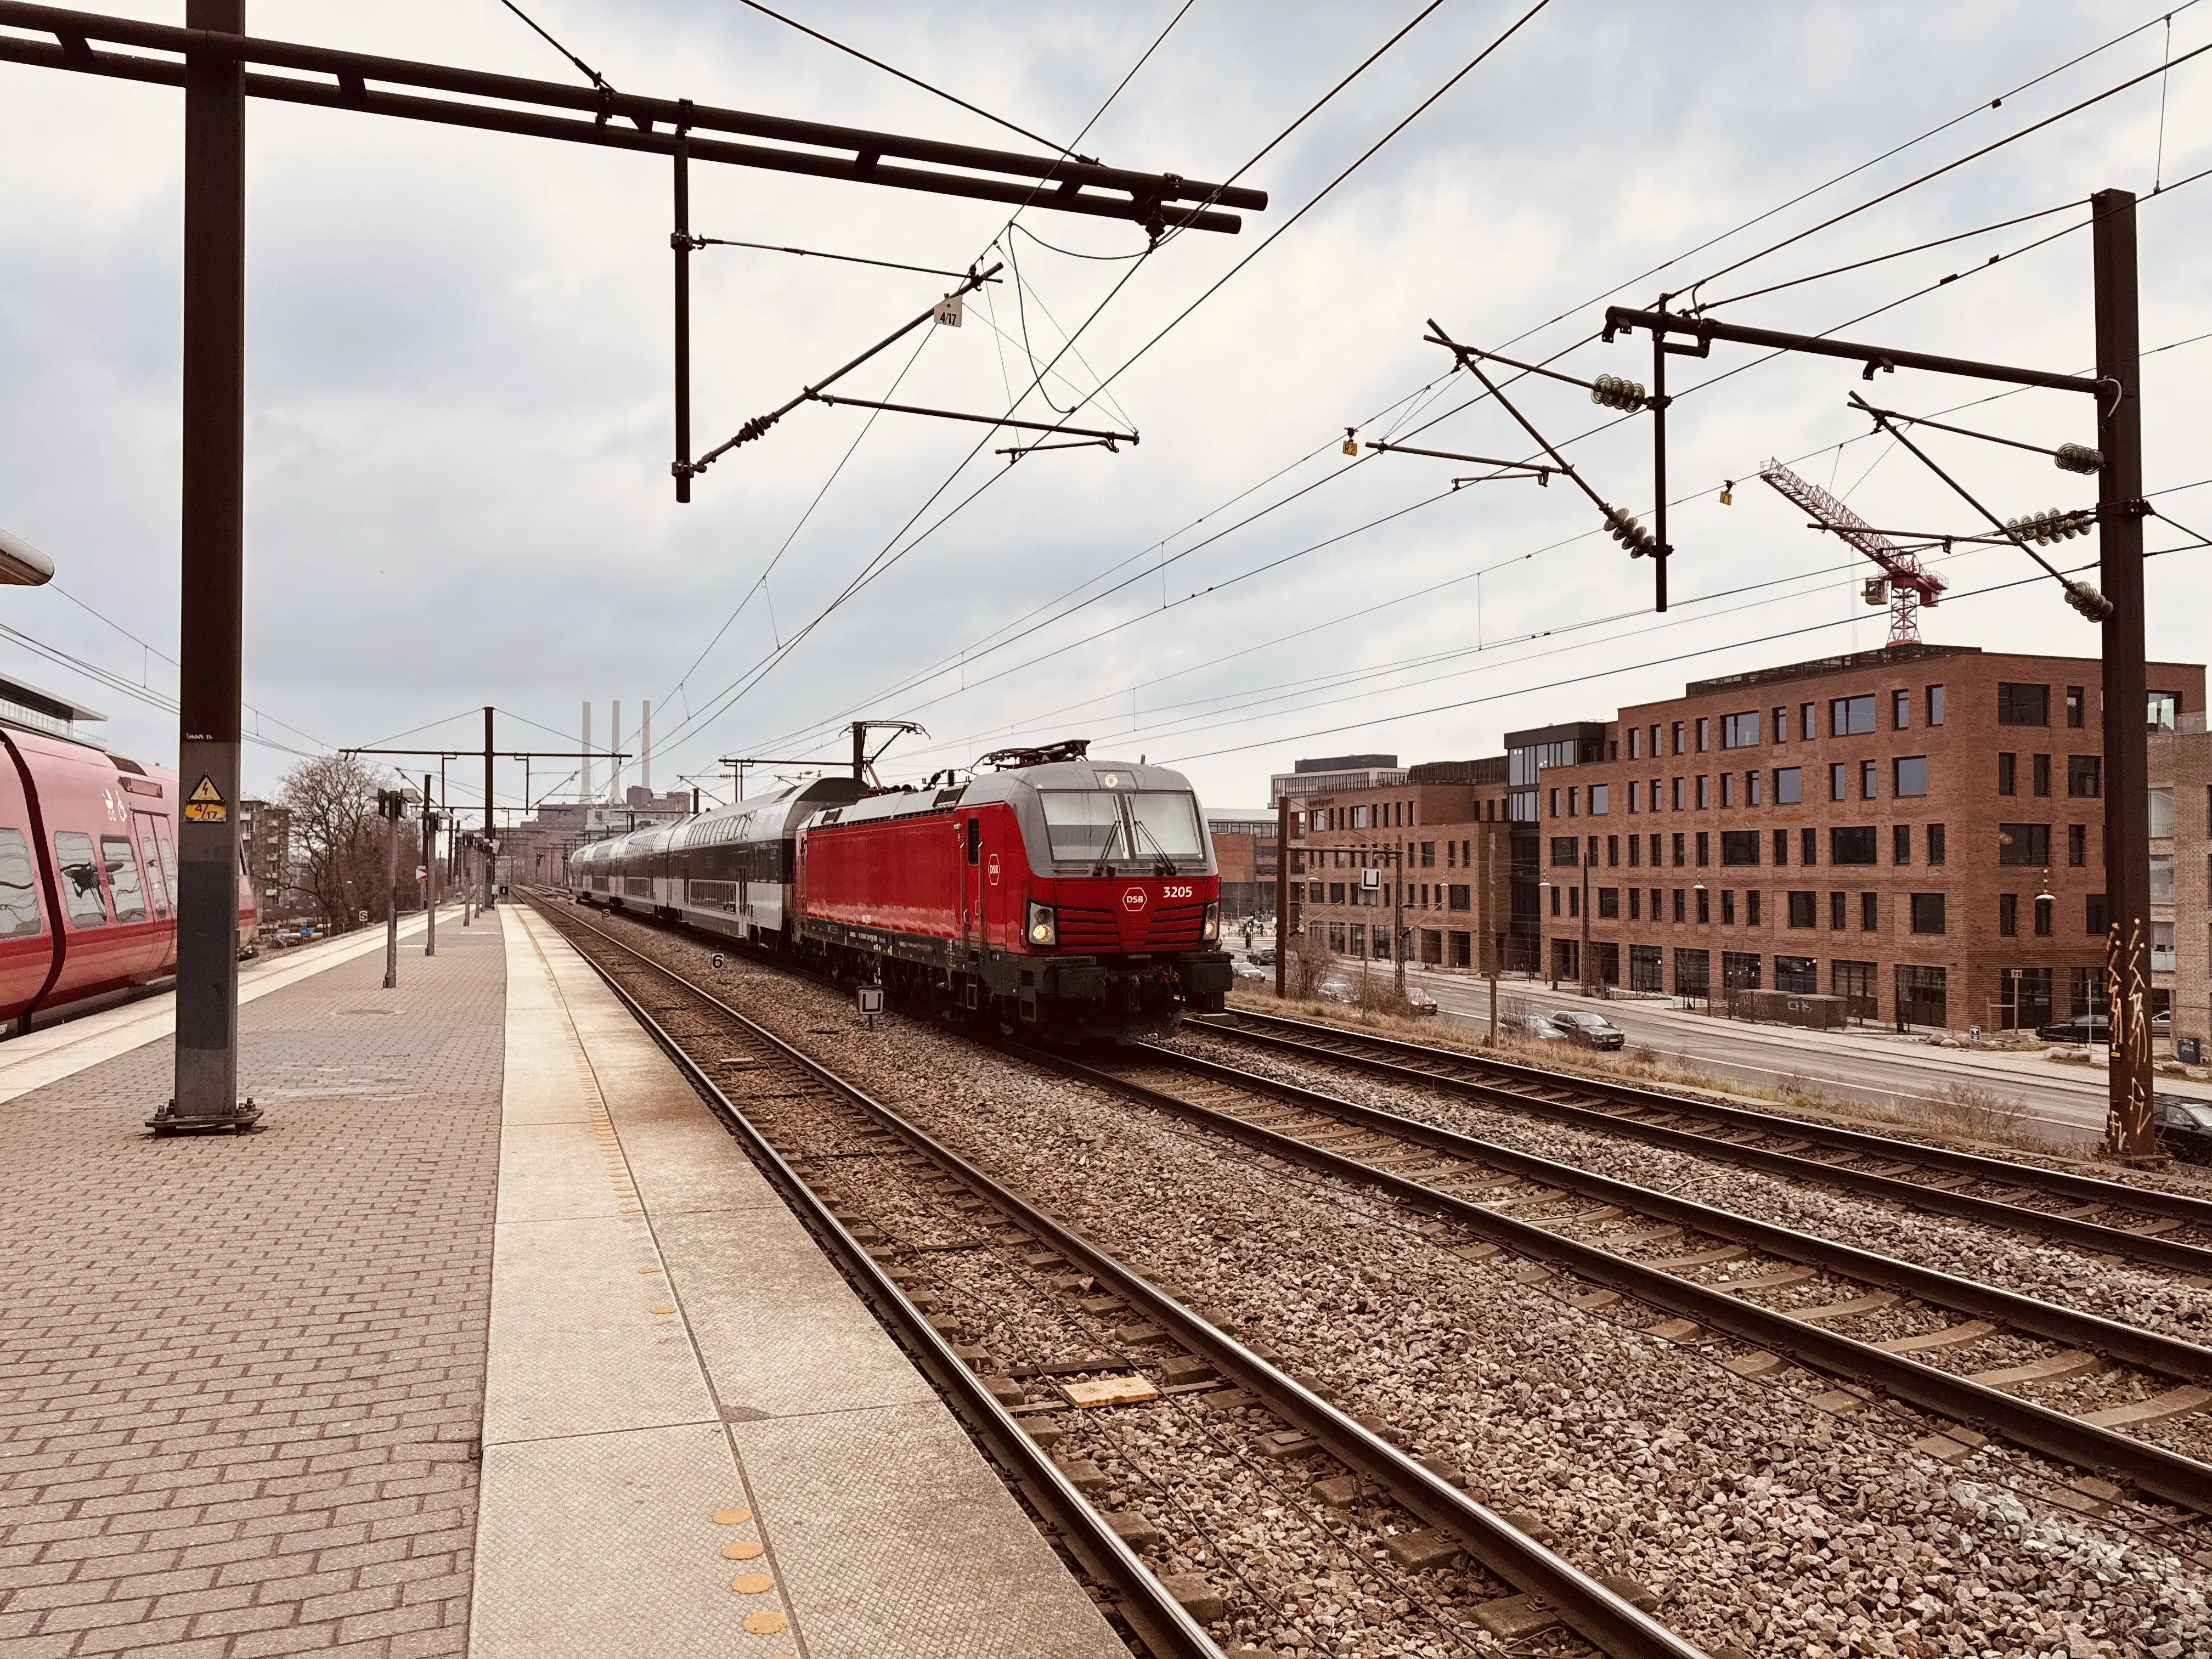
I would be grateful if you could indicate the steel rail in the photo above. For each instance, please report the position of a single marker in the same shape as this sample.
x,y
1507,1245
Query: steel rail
x,y
2148,1467
2171,1356
1042,181
1166,1628
2057,1183
1584,1604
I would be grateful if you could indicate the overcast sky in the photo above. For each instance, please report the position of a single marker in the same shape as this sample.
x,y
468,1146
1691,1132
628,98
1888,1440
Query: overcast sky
x,y
458,397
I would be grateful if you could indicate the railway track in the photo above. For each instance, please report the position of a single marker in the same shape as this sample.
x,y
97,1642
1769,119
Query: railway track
x,y
2169,1230
1718,1275
1024,1324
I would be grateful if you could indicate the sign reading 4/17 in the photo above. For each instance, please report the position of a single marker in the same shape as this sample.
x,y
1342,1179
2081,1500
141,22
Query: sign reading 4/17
x,y
205,804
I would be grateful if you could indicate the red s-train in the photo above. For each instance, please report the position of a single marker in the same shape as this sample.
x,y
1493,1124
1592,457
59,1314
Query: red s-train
x,y
88,874
1055,894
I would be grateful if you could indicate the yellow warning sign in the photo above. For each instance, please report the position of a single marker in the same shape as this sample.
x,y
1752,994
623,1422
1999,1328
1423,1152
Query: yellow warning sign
x,y
205,804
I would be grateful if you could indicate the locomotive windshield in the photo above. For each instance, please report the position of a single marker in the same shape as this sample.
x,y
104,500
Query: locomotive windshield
x,y
1102,826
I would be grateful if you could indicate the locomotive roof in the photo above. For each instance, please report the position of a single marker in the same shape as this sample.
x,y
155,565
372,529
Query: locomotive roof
x,y
1016,785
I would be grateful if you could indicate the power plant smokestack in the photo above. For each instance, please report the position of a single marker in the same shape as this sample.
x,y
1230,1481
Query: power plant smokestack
x,y
645,747
614,746
585,793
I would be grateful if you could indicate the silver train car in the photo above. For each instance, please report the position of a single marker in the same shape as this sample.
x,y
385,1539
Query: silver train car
x,y
727,871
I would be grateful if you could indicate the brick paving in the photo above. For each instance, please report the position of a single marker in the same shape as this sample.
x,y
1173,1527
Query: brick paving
x,y
241,1381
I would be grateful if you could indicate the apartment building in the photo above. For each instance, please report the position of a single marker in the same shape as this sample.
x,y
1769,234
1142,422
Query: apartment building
x,y
2181,874
1334,773
1441,832
1917,829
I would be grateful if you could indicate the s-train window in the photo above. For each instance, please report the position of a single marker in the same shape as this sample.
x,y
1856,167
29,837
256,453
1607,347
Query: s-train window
x,y
123,878
1165,825
19,891
1084,825
78,869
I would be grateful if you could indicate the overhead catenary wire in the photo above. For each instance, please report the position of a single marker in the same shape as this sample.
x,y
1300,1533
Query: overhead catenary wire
x,y
589,73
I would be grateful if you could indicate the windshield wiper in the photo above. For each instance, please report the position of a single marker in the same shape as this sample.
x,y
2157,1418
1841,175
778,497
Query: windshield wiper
x,y
1104,866
1166,865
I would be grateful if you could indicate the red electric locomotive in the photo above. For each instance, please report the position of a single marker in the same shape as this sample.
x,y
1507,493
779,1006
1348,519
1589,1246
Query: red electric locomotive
x,y
1058,894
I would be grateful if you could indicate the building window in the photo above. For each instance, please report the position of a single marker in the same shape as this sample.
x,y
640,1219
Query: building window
x,y
1635,850
1727,907
1336,892
1636,904
1740,731
1655,892
1805,733
2085,776
1799,974
1739,971
2161,814
1704,849
1608,901
1678,904
1555,901
1739,846
1704,907
1788,785
1634,733
2044,906
1600,797
1574,901
1920,995
1808,846
1565,849
2094,922
2089,991
1780,846
1781,724
1459,898
1555,802
1900,710
1836,903
1751,789
2161,877
1677,792
1836,780
1428,856
1728,788
1643,967
1867,773
1612,850
1927,912
1900,843
2007,773
2077,844
1679,859
1935,705
1692,971
1934,843
1854,982
1854,844
1751,908
2164,707
2076,708
1635,797
1655,859
1804,909
1869,918
2042,773
1704,795
1677,735
2008,915
1851,717
1574,801
2024,843
1704,734
1909,775
2023,705
2161,943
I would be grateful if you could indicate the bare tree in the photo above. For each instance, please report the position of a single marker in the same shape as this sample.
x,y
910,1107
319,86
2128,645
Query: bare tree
x,y
339,841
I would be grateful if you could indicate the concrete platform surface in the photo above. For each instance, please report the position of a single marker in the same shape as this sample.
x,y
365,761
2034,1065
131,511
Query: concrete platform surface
x,y
241,1377
697,1440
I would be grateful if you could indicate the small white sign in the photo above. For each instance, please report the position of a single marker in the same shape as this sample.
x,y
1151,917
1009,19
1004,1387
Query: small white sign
x,y
1370,880
871,999
718,958
948,310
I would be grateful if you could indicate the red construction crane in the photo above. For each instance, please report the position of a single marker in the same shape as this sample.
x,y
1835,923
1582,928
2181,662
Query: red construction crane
x,y
1908,585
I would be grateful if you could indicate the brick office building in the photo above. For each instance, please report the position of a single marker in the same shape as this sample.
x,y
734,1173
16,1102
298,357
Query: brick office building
x,y
1244,853
2181,874
1917,829
1442,831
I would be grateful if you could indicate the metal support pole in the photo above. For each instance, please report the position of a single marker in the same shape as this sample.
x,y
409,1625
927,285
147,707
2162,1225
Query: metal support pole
x,y
1589,850
680,241
1397,922
1659,544
392,822
860,751
1282,894
429,872
211,615
2127,746
490,864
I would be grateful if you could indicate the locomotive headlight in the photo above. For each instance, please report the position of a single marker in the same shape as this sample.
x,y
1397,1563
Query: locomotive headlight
x,y
1211,928
1043,926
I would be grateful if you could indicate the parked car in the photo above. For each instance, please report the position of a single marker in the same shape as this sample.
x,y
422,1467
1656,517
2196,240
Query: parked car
x,y
1421,1004
1251,970
1534,1026
2083,1028
1337,989
1590,1030
2183,1127
2161,1022
1265,956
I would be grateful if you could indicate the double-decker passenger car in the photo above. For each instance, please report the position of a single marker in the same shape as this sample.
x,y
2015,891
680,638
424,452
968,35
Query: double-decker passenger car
x,y
1059,894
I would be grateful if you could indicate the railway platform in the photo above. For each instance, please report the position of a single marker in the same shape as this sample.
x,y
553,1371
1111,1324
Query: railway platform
x,y
490,1341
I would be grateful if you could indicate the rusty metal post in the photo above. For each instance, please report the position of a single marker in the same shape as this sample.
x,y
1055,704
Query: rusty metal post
x,y
211,614
2127,746
1282,895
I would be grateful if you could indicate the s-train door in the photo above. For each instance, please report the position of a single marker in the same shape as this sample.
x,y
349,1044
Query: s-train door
x,y
971,880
